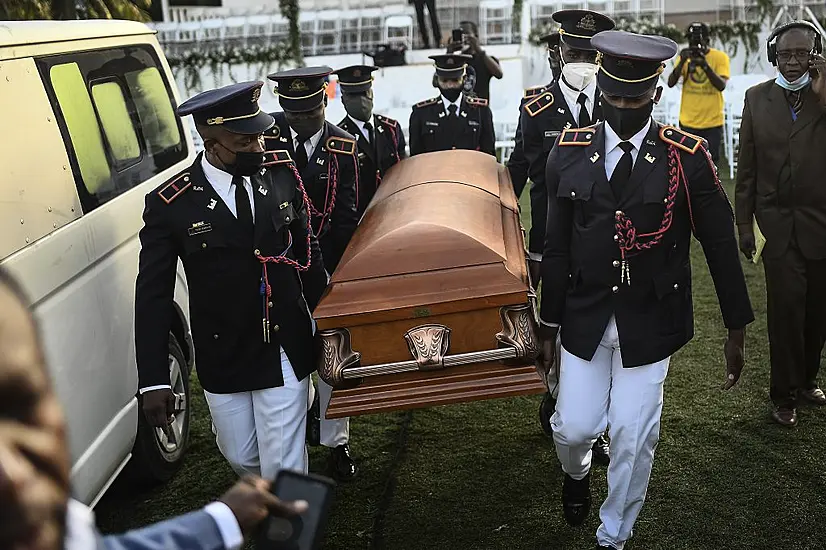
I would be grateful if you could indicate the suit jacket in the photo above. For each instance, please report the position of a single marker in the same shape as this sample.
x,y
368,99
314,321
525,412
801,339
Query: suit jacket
x,y
582,264
185,219
543,118
780,171
375,158
331,179
517,163
431,129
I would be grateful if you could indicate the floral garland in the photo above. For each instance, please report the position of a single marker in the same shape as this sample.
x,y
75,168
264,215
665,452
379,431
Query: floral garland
x,y
192,61
730,35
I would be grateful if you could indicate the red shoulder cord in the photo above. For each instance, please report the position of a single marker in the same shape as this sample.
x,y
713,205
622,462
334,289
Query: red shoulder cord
x,y
395,138
632,243
329,195
266,289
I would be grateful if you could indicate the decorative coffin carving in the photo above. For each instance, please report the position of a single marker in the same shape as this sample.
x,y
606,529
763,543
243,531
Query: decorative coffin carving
x,y
431,302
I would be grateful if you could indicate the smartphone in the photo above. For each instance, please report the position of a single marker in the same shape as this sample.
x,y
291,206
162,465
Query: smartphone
x,y
458,35
303,532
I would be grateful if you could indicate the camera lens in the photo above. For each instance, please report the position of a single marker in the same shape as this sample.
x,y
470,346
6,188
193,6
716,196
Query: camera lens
x,y
280,529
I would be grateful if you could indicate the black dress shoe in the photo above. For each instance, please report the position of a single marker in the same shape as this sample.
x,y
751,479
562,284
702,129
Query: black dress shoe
x,y
576,499
814,396
600,451
546,410
785,416
342,464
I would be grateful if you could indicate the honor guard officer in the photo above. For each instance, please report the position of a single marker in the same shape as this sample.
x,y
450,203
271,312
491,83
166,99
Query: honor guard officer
x,y
240,225
380,139
624,199
517,163
453,120
571,101
326,157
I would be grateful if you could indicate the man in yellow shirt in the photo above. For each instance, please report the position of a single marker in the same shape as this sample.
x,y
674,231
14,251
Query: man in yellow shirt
x,y
705,72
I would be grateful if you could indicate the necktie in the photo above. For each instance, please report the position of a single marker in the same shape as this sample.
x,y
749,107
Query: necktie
x,y
622,173
796,102
242,206
369,129
452,109
584,118
300,155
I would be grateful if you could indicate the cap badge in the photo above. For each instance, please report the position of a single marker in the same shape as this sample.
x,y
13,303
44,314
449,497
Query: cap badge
x,y
357,73
625,63
587,23
450,61
298,85
256,93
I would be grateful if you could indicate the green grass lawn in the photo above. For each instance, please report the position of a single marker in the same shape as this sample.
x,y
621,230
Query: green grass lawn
x,y
483,476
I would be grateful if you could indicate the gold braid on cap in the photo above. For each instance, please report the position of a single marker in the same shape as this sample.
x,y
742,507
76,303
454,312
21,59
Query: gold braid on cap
x,y
564,32
221,119
323,88
356,83
635,81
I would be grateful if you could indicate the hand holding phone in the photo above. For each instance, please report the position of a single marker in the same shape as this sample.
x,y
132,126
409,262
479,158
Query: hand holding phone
x,y
457,36
304,531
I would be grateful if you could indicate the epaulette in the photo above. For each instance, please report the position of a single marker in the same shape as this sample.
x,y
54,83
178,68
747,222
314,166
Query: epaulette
x,y
276,157
539,103
577,136
273,132
533,92
173,189
388,121
477,101
681,140
427,102
341,145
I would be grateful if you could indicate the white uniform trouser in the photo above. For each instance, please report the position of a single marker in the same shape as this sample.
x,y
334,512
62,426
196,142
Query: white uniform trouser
x,y
601,393
334,431
260,432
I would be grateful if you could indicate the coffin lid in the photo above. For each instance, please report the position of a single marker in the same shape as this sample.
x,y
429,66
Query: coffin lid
x,y
433,211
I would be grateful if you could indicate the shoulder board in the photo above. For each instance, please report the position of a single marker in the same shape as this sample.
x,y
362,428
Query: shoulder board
x,y
427,102
273,132
577,136
276,157
681,140
539,103
388,121
175,187
341,145
477,101
533,92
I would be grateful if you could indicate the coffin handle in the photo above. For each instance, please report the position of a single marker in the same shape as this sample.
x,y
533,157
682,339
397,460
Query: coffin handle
x,y
336,355
519,331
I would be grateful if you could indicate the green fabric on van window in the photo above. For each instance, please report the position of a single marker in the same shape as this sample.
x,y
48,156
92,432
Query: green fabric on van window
x,y
117,125
158,119
76,106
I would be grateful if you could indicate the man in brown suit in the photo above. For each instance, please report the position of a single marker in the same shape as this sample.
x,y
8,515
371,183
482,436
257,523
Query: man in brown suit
x,y
780,182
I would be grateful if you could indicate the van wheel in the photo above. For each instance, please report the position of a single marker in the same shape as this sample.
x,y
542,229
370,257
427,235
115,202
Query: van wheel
x,y
158,455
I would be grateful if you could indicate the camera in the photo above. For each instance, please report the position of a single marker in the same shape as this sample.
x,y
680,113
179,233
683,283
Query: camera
x,y
697,35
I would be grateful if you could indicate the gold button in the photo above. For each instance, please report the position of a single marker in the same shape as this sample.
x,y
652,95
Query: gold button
x,y
186,178
287,219
618,212
676,286
269,304
614,289
665,200
203,245
616,237
256,252
616,263
276,328
573,193
215,336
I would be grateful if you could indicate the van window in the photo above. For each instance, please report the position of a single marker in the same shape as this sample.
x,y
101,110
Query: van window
x,y
117,115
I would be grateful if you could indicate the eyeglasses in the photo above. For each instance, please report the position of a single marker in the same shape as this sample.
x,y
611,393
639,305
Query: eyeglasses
x,y
801,56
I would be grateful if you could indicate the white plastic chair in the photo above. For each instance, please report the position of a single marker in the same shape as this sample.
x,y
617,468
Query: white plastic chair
x,y
212,30
235,29
495,21
396,23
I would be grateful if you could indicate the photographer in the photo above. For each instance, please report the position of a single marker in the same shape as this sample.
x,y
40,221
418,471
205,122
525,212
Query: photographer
x,y
482,67
705,72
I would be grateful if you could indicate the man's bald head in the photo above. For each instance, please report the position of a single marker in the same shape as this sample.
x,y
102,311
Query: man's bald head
x,y
34,463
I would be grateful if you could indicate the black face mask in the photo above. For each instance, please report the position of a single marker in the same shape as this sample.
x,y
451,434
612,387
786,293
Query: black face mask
x,y
359,107
627,122
451,94
247,163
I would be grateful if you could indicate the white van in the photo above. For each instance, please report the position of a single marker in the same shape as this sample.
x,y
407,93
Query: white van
x,y
88,129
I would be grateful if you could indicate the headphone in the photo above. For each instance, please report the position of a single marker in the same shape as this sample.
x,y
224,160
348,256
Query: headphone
x,y
771,43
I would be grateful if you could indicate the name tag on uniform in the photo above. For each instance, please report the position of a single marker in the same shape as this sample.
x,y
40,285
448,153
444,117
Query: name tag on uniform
x,y
199,227
428,123
551,133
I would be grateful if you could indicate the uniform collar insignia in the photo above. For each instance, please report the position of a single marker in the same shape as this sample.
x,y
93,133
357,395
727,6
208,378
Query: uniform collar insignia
x,y
561,111
649,158
197,188
212,204
595,157
262,190
320,162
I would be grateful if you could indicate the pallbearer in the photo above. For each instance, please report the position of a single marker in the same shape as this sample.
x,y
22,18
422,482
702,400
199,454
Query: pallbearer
x,y
380,139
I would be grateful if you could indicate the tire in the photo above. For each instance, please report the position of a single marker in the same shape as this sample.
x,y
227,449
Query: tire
x,y
154,458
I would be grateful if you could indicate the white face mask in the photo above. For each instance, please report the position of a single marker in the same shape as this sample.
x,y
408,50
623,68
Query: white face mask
x,y
579,75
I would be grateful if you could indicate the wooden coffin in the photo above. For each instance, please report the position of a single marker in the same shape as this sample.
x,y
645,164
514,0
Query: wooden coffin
x,y
431,302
